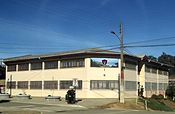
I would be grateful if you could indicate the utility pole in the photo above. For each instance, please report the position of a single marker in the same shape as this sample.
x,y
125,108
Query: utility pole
x,y
121,76
121,88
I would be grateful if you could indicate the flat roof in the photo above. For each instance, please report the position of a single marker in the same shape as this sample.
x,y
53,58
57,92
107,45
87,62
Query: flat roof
x,y
91,52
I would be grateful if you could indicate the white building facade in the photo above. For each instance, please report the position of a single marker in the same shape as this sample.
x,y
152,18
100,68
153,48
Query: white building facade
x,y
52,74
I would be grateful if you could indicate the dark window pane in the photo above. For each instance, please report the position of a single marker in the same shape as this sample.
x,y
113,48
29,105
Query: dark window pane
x,y
154,86
23,67
22,84
11,85
148,86
130,66
65,84
154,70
104,84
147,69
130,85
11,68
72,63
36,66
50,84
51,65
35,84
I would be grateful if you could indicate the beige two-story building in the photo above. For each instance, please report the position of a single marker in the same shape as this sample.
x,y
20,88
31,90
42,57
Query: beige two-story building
x,y
52,74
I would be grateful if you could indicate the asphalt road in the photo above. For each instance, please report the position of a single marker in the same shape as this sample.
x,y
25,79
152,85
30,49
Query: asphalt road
x,y
89,111
24,108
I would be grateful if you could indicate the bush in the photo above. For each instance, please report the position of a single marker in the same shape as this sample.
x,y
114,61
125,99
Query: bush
x,y
154,96
158,97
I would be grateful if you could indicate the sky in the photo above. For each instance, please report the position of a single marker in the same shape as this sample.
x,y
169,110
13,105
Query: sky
x,y
45,26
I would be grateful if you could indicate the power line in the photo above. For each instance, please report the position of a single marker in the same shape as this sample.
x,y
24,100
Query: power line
x,y
156,45
152,40
143,41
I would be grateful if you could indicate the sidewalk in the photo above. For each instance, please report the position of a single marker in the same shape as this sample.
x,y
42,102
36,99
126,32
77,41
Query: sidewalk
x,y
85,103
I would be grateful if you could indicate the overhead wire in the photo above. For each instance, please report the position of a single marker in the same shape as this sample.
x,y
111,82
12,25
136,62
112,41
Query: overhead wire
x,y
156,45
151,40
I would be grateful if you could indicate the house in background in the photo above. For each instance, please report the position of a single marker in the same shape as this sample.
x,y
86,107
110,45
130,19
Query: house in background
x,y
52,74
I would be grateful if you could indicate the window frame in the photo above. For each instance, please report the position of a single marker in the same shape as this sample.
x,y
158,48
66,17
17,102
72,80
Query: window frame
x,y
49,64
23,67
34,85
69,83
11,68
103,84
54,82
34,66
22,84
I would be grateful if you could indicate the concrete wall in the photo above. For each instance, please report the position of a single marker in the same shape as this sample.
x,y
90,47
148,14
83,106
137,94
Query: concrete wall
x,y
155,78
131,75
85,74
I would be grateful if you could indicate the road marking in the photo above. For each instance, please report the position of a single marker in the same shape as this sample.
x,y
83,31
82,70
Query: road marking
x,y
63,105
123,110
25,106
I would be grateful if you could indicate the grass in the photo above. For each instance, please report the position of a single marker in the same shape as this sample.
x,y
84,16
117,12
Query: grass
x,y
158,105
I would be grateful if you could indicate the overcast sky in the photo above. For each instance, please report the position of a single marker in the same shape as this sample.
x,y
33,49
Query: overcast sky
x,y
44,26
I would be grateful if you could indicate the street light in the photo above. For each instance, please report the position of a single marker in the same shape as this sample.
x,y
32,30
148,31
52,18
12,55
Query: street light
x,y
121,79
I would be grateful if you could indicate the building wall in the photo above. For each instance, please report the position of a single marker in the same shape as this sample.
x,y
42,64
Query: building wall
x,y
98,73
151,78
163,79
160,80
85,74
131,77
88,74
47,75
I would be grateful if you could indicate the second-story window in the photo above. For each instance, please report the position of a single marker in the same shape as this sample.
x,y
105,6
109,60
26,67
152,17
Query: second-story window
x,y
148,69
51,64
36,66
23,67
154,70
11,68
72,63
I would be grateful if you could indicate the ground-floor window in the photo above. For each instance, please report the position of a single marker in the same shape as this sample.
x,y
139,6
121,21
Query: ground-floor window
x,y
11,85
163,86
149,86
130,85
104,84
22,84
35,84
50,84
154,86
65,84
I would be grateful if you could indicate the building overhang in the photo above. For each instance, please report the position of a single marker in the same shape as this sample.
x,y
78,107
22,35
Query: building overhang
x,y
87,53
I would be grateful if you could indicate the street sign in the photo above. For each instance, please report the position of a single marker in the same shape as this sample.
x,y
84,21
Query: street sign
x,y
75,82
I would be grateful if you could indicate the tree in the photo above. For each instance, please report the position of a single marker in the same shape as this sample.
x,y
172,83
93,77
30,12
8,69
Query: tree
x,y
152,58
168,59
